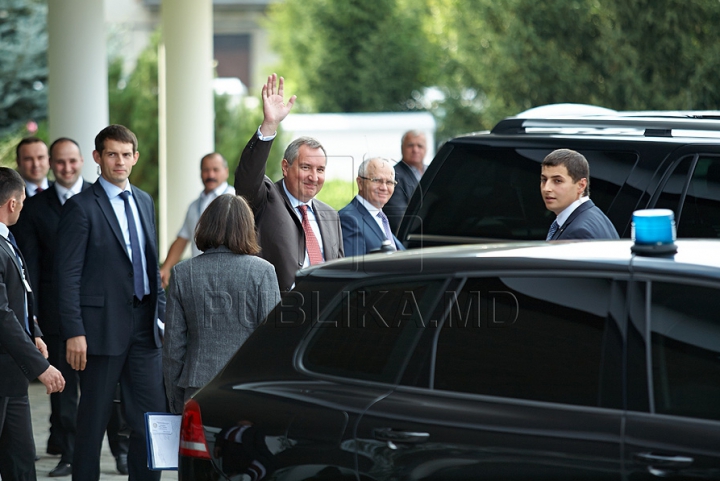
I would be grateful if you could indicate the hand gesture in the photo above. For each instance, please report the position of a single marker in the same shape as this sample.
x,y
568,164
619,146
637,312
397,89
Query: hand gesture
x,y
274,107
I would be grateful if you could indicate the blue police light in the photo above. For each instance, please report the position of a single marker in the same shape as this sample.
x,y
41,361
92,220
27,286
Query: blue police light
x,y
653,231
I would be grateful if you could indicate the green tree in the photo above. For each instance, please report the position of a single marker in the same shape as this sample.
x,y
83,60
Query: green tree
x,y
352,55
23,63
134,103
505,57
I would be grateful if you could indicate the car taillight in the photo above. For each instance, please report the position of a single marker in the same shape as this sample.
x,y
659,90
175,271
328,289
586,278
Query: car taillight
x,y
192,436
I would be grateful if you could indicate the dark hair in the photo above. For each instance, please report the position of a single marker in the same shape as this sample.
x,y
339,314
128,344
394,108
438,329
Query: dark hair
x,y
575,163
293,149
118,133
212,154
25,141
60,141
227,221
10,184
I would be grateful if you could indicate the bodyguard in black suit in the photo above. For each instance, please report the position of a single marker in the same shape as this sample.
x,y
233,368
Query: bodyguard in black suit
x,y
36,234
110,299
407,174
22,352
31,155
565,187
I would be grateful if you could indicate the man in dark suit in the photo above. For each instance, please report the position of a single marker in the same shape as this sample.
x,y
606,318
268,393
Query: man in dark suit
x,y
364,225
22,351
31,155
110,300
407,174
565,187
36,234
294,229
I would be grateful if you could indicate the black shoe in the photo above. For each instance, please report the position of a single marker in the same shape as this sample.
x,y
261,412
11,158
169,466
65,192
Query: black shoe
x,y
121,463
53,449
62,469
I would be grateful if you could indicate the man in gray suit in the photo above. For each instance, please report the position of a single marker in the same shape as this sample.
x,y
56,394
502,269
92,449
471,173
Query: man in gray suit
x,y
295,229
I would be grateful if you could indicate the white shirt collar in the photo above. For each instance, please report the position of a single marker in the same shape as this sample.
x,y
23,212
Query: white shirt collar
x,y
296,202
371,208
563,216
219,190
32,187
75,189
113,190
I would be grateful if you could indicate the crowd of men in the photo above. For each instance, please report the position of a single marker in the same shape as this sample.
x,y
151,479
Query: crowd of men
x,y
82,302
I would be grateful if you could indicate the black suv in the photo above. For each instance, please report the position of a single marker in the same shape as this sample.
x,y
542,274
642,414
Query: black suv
x,y
485,187
566,360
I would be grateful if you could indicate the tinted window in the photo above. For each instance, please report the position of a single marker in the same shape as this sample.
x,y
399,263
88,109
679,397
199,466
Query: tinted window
x,y
481,192
544,339
700,216
686,350
372,331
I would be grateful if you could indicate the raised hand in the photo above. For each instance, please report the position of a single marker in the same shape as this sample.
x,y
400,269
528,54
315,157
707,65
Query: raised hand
x,y
274,107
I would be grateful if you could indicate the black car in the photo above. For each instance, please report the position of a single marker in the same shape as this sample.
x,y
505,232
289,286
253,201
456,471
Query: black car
x,y
567,360
485,187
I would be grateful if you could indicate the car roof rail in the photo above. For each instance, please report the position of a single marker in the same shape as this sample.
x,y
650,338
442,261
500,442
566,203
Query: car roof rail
x,y
650,124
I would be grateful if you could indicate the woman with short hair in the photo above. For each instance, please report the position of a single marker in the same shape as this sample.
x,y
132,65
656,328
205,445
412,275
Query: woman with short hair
x,y
215,300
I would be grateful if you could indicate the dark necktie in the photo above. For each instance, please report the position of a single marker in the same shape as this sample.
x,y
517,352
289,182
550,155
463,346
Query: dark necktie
x,y
38,190
311,242
386,228
138,280
553,229
11,238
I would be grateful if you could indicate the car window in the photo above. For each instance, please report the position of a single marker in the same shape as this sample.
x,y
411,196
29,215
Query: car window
x,y
494,193
371,332
544,339
685,330
700,216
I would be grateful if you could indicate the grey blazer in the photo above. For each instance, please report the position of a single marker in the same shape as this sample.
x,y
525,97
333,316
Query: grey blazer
x,y
215,301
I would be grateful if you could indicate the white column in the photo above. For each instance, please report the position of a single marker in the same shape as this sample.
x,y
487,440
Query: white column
x,y
77,86
187,27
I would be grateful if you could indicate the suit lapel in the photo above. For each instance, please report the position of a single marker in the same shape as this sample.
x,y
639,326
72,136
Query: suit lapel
x,y
53,201
23,275
145,211
588,204
11,252
369,220
106,208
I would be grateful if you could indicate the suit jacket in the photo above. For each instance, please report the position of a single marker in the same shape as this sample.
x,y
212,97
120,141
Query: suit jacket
x,y
95,274
20,359
280,231
215,301
36,235
586,222
406,184
27,193
361,233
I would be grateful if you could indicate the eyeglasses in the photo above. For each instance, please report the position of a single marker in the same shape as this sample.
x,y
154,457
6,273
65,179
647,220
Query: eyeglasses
x,y
388,183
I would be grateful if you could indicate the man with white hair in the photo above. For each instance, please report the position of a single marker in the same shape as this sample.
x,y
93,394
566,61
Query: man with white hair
x,y
365,227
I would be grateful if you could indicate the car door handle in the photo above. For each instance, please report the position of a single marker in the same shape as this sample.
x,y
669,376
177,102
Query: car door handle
x,y
393,436
664,461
